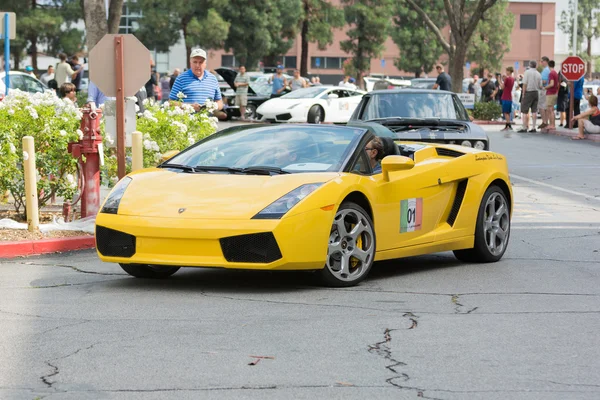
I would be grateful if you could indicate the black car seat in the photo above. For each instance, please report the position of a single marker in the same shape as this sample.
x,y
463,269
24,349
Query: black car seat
x,y
389,147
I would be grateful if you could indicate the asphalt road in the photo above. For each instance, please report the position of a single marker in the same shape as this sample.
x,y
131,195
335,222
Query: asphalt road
x,y
425,327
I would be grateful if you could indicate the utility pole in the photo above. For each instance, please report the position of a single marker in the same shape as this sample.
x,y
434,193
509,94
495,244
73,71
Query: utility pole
x,y
575,29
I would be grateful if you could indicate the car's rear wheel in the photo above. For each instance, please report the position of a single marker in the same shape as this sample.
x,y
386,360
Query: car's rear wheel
x,y
492,230
351,249
250,111
149,271
316,115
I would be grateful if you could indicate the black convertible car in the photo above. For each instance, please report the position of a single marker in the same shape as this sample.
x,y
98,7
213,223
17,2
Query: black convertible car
x,y
421,115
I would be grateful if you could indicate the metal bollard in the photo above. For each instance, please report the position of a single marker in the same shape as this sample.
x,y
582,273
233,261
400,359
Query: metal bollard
x,y
31,195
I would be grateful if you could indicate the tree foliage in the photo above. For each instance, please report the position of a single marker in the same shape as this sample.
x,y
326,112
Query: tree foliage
x,y
491,40
163,23
261,29
463,18
44,23
319,20
419,47
587,27
370,23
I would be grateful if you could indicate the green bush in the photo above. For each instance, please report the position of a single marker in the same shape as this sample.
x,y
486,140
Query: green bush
x,y
487,111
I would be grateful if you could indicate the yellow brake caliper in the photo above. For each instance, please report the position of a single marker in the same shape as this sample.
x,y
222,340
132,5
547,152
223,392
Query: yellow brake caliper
x,y
354,262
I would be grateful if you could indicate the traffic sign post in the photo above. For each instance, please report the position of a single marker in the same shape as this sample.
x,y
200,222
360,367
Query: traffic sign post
x,y
573,69
120,66
8,30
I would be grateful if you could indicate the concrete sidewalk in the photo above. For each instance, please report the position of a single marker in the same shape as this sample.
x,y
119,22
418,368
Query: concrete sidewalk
x,y
517,124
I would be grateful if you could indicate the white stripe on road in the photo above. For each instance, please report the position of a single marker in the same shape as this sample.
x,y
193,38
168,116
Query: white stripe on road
x,y
539,183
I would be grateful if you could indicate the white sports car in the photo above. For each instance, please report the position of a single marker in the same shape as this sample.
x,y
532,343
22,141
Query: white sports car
x,y
314,105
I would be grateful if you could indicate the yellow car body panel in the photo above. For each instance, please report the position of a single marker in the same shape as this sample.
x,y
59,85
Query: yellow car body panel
x,y
182,223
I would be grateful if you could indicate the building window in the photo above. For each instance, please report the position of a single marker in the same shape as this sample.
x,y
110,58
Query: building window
x,y
229,61
289,62
317,62
528,21
333,62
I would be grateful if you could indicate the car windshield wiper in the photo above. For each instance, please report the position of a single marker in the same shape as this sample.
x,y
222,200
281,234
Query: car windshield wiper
x,y
186,168
216,168
406,121
263,170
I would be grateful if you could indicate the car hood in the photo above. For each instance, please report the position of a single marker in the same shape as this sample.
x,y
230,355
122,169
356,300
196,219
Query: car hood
x,y
280,104
229,76
163,193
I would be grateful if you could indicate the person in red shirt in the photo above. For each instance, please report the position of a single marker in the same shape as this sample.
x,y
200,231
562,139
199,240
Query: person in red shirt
x,y
507,87
551,95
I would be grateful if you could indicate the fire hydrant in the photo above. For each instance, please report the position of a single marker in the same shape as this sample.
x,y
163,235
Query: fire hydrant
x,y
89,147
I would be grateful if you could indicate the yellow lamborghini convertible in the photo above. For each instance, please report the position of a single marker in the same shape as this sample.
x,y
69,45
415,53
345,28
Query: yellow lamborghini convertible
x,y
306,197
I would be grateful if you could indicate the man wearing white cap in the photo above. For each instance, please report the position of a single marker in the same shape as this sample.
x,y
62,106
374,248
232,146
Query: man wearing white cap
x,y
196,85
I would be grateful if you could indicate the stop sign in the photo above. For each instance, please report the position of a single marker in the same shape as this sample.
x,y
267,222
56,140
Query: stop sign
x,y
573,68
136,65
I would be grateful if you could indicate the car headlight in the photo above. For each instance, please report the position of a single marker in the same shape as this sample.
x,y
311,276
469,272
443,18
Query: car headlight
x,y
293,105
282,205
111,206
479,145
466,143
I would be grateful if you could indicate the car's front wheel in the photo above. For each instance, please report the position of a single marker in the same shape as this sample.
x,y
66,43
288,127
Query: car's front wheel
x,y
351,248
492,229
250,111
149,271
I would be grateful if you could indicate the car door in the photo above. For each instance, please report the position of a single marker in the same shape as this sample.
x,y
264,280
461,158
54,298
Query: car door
x,y
333,111
410,206
32,85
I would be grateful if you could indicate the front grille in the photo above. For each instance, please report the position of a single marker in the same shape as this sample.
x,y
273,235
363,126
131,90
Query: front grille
x,y
252,248
112,243
284,117
458,199
259,116
448,153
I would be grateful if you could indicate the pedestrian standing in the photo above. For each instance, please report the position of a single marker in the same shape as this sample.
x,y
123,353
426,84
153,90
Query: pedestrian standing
x,y
76,66
562,101
297,81
279,82
542,106
532,84
197,85
64,73
242,81
578,95
176,73
506,98
48,75
551,95
443,81
488,87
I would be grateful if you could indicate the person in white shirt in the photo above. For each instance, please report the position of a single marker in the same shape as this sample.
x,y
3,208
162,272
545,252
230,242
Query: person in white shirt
x,y
64,73
48,75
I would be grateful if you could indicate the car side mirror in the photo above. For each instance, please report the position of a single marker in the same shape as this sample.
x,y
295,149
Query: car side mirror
x,y
169,154
332,96
395,163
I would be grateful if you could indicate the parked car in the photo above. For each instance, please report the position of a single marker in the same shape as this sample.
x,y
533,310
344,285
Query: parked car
x,y
259,91
375,82
316,104
421,115
21,81
422,83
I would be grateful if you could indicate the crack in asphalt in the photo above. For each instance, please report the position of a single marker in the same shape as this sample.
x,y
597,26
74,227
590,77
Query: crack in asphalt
x,y
72,267
56,371
458,309
383,349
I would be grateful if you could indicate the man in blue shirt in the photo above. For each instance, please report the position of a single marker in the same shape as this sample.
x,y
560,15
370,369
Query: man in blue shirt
x,y
95,96
196,85
578,95
279,82
542,94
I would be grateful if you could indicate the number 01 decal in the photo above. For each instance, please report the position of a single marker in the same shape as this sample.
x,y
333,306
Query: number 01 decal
x,y
411,213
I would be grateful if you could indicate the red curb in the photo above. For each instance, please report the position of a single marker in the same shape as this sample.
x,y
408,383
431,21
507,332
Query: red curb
x,y
44,246
592,137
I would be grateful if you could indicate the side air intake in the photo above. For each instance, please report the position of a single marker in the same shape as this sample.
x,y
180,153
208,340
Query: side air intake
x,y
448,153
458,199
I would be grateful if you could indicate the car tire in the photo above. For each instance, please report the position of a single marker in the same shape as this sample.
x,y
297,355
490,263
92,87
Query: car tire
x,y
316,115
250,111
492,230
149,271
351,248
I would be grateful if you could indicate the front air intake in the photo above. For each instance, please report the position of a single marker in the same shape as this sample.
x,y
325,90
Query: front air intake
x,y
441,151
458,199
252,248
112,243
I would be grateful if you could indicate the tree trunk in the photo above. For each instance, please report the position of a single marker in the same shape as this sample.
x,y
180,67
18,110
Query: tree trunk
x,y
34,58
94,16
456,64
304,43
188,48
115,10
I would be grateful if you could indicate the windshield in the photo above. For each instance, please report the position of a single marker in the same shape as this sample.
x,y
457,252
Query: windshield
x,y
307,93
261,88
290,148
412,105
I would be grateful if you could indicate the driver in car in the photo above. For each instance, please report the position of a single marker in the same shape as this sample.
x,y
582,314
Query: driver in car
x,y
374,150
